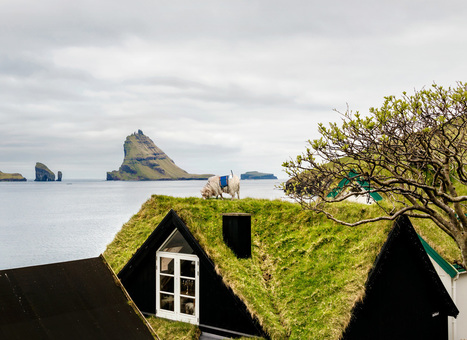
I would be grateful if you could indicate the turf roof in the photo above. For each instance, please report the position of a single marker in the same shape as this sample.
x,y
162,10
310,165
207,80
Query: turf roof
x,y
306,272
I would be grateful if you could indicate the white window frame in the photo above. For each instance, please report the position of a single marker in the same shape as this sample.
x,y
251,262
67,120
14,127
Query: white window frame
x,y
176,314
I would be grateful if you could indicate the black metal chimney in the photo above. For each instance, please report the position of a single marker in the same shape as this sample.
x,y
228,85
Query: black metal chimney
x,y
236,230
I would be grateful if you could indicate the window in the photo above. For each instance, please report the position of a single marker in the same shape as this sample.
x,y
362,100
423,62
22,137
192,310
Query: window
x,y
177,282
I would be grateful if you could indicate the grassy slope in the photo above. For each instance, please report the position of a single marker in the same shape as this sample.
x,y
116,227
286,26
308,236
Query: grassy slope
x,y
137,146
11,177
305,272
167,329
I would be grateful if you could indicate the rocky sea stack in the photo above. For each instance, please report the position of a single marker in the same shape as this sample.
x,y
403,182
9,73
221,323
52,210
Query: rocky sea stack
x,y
144,161
4,177
43,173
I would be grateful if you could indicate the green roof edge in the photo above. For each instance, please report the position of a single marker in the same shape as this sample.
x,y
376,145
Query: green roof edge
x,y
446,266
364,184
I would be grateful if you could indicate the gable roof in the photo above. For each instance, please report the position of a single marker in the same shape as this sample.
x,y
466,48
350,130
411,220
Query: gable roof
x,y
170,222
404,296
138,276
305,274
403,229
70,300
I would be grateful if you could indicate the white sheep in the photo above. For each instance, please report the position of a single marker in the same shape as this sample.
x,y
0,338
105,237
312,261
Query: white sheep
x,y
213,187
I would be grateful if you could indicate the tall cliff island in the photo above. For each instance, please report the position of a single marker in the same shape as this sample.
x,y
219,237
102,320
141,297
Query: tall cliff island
x,y
144,161
43,173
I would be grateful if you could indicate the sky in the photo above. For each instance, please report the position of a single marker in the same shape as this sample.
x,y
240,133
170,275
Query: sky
x,y
217,85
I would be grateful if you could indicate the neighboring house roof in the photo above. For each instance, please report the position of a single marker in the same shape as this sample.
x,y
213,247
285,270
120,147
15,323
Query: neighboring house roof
x,y
71,300
306,273
363,184
451,270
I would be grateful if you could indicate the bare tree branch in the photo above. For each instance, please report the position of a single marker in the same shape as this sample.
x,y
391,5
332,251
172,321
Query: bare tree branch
x,y
412,151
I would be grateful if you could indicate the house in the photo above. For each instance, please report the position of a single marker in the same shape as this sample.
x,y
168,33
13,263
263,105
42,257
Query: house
x,y
305,277
70,300
172,277
354,183
454,279
404,296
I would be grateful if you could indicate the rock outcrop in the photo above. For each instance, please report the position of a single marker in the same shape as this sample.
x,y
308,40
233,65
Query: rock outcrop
x,y
59,176
15,177
43,173
257,175
144,161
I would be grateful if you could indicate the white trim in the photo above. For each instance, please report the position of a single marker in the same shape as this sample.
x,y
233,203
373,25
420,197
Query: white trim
x,y
167,240
205,335
227,331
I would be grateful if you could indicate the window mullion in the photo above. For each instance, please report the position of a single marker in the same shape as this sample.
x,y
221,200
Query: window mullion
x,y
197,300
177,285
158,284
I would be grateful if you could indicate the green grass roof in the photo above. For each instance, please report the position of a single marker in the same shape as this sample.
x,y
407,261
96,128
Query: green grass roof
x,y
305,273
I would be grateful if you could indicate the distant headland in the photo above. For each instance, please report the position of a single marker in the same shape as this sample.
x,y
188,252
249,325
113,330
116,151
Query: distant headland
x,y
257,175
144,161
15,177
43,174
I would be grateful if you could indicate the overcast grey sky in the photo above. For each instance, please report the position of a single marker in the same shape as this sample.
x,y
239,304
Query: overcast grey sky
x,y
218,85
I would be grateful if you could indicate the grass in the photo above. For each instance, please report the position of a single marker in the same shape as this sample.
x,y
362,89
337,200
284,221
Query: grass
x,y
305,273
167,329
11,177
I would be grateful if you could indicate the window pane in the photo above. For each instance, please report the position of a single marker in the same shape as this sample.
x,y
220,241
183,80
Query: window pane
x,y
167,283
187,287
167,302
167,265
187,268
187,306
177,244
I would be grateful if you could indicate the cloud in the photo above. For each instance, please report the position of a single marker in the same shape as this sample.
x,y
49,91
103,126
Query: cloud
x,y
246,81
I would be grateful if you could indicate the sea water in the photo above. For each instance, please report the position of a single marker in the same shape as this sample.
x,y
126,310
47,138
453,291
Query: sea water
x,y
46,222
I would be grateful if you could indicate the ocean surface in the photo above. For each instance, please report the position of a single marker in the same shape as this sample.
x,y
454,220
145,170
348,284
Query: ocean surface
x,y
47,222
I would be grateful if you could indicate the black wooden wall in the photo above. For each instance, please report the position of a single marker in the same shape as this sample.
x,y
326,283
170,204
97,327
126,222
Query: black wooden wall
x,y
404,297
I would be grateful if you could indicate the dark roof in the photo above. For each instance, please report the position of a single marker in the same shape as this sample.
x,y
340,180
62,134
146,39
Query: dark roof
x,y
71,300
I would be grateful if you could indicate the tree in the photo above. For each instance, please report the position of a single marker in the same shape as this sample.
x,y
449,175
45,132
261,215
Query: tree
x,y
412,151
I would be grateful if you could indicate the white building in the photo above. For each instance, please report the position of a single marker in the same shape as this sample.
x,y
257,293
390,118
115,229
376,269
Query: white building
x,y
454,279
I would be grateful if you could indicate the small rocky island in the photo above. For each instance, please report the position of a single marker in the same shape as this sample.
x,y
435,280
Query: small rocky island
x,y
144,161
15,177
43,173
257,175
